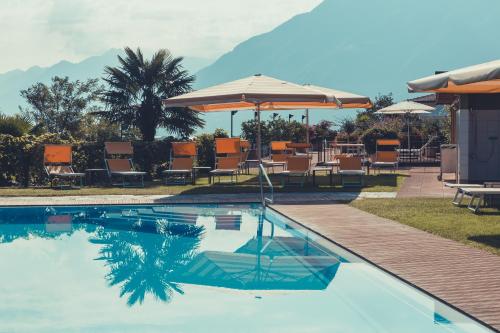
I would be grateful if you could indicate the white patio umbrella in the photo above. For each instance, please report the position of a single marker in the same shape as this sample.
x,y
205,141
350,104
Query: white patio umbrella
x,y
482,78
258,92
407,108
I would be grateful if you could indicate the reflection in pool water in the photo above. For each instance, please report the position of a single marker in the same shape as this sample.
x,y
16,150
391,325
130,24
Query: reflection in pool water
x,y
226,268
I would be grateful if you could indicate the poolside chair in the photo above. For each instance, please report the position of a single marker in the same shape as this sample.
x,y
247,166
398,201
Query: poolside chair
x,y
227,159
386,160
350,167
118,160
386,155
299,148
297,166
182,160
278,156
57,162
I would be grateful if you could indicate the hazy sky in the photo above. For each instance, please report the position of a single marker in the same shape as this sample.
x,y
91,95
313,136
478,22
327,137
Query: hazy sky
x,y
42,32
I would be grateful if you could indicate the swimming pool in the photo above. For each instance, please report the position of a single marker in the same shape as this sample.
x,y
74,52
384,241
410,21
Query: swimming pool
x,y
203,268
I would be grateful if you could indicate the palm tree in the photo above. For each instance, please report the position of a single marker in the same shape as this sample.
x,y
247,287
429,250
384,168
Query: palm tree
x,y
137,87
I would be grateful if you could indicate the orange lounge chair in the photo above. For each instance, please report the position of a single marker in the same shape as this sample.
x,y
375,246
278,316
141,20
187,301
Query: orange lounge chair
x,y
386,159
297,166
182,161
351,167
122,167
386,155
279,155
227,158
57,161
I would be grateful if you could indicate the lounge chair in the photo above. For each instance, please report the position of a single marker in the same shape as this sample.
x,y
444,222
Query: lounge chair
x,y
182,160
122,168
478,196
57,161
299,149
351,167
226,166
279,155
297,166
385,160
477,193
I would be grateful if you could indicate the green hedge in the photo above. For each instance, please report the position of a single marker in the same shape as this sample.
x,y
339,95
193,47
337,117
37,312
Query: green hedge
x,y
21,158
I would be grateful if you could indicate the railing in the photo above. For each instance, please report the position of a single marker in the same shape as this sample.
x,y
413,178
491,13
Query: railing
x,y
264,177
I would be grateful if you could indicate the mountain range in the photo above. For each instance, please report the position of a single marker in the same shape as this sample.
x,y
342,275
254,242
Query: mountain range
x,y
362,46
12,82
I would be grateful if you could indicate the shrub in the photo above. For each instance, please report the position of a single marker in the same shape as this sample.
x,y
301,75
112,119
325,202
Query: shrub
x,y
21,158
370,137
205,144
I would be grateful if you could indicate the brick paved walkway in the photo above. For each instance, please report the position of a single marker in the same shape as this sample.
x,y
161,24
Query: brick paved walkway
x,y
423,182
466,277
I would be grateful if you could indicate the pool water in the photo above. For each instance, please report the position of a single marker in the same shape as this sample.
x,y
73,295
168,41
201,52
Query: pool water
x,y
203,268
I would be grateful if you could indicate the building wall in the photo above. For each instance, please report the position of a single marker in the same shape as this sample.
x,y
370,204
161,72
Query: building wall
x,y
478,122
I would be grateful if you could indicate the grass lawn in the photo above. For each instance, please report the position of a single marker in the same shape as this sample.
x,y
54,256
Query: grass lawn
x,y
246,184
440,217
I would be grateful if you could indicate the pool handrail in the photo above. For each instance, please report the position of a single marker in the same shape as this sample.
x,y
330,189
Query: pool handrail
x,y
263,176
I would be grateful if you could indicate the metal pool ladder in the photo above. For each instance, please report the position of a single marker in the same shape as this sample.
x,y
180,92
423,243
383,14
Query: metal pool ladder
x,y
265,200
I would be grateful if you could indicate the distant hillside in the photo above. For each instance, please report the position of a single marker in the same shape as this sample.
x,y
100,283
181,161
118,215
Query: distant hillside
x,y
11,83
364,46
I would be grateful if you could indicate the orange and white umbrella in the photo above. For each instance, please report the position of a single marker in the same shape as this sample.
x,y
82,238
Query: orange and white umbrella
x,y
260,92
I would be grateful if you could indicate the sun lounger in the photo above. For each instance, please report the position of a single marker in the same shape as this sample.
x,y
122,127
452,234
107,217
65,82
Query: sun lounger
x,y
122,168
297,166
385,160
182,160
226,166
478,196
57,161
459,194
350,167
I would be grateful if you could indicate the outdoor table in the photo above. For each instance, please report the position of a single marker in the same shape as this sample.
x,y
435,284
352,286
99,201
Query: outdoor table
x,y
328,170
89,172
196,169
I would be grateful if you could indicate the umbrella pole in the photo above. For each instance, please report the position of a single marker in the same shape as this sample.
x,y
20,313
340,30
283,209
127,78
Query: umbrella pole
x,y
409,140
259,143
307,126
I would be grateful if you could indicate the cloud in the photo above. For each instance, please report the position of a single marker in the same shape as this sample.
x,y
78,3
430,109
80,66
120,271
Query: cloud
x,y
41,32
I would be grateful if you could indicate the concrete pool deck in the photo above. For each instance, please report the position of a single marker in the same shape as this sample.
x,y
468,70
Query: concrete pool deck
x,y
464,277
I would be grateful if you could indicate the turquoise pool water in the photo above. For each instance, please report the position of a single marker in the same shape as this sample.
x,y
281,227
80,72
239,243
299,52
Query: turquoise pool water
x,y
182,268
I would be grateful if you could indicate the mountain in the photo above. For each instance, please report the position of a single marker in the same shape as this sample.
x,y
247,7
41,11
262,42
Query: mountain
x,y
12,82
364,46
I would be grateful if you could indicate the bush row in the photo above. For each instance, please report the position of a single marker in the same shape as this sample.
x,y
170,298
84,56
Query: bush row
x,y
21,158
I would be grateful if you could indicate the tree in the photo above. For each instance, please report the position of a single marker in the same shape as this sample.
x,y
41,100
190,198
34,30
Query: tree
x,y
366,119
16,125
60,106
137,87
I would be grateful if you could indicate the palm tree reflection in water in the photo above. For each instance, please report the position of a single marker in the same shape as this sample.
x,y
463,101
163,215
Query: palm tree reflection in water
x,y
148,258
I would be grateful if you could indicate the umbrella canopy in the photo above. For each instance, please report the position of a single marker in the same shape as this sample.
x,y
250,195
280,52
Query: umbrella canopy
x,y
406,107
262,92
267,92
252,272
483,78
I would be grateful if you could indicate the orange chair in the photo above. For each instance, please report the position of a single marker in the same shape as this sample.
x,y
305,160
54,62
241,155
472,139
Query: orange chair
x,y
182,160
227,158
386,155
351,167
279,155
57,162
118,160
297,166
